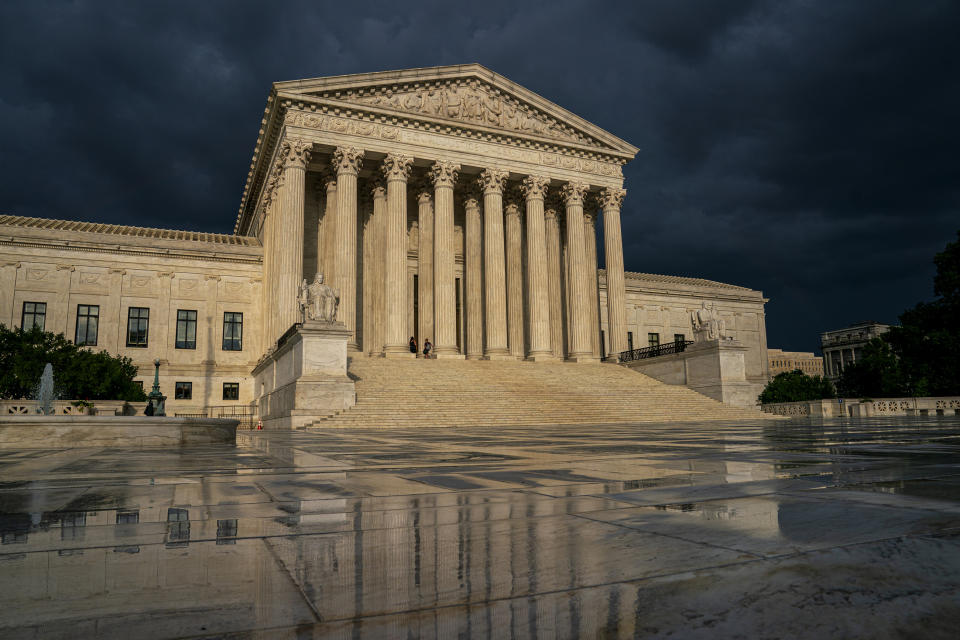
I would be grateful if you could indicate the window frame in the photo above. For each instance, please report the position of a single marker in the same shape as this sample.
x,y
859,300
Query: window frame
x,y
188,385
235,386
96,329
146,326
34,313
236,342
680,337
187,321
653,339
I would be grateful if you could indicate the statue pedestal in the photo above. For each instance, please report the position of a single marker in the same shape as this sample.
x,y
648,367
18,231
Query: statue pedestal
x,y
305,377
714,368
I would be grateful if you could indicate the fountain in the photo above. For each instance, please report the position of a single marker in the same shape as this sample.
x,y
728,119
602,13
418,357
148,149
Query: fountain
x,y
45,393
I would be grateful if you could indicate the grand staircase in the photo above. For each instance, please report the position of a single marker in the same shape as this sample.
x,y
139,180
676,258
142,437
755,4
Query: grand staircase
x,y
458,393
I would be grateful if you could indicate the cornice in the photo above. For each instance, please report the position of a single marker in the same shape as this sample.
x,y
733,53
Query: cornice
x,y
89,247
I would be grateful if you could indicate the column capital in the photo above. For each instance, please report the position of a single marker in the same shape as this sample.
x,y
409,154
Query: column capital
x,y
535,187
589,215
612,198
492,180
550,214
328,179
444,174
378,188
512,198
471,199
424,196
296,153
273,183
396,167
574,192
511,209
348,160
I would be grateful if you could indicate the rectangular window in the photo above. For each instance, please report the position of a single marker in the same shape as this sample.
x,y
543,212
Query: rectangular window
x,y
128,516
653,339
186,329
34,315
630,340
232,331
138,326
183,391
679,337
231,390
88,317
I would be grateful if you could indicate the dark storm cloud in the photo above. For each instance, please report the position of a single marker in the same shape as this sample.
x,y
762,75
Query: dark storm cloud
x,y
804,148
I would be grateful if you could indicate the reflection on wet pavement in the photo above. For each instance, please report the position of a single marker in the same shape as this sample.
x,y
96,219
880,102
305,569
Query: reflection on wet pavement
x,y
796,529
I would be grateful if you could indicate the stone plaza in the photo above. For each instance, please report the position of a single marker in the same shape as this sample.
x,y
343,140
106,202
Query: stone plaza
x,y
799,529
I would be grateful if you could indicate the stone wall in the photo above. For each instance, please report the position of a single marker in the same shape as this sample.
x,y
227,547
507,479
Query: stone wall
x,y
853,407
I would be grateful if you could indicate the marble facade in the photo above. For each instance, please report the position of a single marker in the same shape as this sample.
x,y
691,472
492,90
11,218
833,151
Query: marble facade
x,y
446,203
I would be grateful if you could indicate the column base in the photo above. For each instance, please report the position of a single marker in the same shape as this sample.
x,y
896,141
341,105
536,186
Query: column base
x,y
583,358
474,356
448,356
500,356
353,347
613,358
544,356
398,352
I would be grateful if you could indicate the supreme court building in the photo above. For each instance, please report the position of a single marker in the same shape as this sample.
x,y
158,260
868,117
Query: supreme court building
x,y
446,203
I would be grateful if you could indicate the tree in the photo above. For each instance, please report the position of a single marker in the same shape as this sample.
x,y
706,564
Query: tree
x,y
876,374
794,386
927,341
78,373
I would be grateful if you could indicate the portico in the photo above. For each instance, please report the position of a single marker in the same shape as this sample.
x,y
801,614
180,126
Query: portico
x,y
445,203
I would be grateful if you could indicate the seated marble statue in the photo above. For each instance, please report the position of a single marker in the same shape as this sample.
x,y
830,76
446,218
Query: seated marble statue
x,y
707,323
318,301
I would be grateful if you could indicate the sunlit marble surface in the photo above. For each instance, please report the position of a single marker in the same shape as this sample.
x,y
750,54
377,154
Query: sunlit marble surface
x,y
784,530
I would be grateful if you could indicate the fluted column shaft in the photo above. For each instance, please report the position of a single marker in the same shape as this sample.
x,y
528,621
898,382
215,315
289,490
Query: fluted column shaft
x,y
396,169
610,200
328,260
538,297
473,266
555,281
444,174
590,244
580,347
514,242
425,218
374,344
491,181
296,154
347,161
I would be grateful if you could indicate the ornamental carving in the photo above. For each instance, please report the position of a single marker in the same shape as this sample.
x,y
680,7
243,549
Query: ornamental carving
x,y
378,189
574,192
444,174
396,166
535,187
612,198
296,153
492,180
473,102
512,197
348,160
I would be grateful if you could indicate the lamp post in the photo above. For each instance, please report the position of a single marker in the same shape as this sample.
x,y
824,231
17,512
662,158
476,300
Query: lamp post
x,y
155,399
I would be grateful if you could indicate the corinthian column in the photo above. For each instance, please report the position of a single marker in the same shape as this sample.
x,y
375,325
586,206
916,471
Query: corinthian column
x,y
375,280
590,244
610,200
538,299
328,259
425,263
491,181
396,169
270,254
347,161
296,154
555,278
514,230
580,348
444,174
473,265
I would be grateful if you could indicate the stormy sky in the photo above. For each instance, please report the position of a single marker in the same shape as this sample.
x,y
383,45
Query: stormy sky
x,y
806,148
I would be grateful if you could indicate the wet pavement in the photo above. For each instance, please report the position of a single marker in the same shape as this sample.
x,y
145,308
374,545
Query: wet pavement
x,y
792,529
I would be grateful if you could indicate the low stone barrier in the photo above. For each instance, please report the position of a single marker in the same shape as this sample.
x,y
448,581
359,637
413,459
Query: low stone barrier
x,y
66,408
53,432
862,407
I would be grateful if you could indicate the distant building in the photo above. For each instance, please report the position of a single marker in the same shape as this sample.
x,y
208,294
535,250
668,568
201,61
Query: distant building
x,y
841,347
784,361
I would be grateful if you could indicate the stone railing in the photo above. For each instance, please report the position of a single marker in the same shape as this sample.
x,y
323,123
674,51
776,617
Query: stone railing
x,y
66,408
854,407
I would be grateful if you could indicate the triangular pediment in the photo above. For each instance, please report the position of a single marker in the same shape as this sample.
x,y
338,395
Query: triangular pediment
x,y
466,96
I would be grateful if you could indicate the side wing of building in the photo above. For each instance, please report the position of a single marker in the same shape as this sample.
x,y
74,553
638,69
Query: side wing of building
x,y
189,299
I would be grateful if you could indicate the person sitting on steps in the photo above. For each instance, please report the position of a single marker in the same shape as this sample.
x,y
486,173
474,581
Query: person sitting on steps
x,y
413,346
427,347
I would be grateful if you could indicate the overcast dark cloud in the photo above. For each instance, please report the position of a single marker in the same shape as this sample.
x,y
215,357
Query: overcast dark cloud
x,y
806,148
